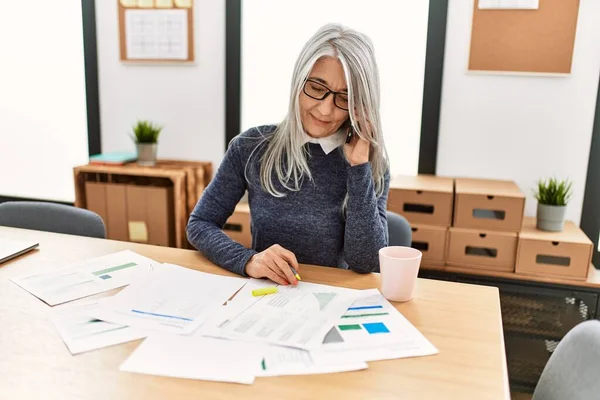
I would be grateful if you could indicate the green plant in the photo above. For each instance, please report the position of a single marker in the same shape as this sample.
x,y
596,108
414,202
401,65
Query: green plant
x,y
146,132
553,192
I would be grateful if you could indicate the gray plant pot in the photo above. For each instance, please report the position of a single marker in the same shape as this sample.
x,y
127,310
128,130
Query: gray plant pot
x,y
550,218
146,154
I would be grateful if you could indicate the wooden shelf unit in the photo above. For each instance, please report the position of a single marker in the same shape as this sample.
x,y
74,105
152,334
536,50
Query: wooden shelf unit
x,y
188,180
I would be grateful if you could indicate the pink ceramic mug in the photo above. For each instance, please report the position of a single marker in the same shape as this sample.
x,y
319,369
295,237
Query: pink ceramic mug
x,y
399,268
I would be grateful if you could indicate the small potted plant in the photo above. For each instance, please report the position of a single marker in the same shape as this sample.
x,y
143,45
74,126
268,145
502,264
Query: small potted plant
x,y
145,136
552,196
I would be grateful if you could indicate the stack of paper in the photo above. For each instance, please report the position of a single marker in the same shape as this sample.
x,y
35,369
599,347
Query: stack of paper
x,y
173,299
195,358
194,332
297,316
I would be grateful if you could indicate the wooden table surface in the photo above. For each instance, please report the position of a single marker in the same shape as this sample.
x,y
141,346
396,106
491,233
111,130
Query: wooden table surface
x,y
462,321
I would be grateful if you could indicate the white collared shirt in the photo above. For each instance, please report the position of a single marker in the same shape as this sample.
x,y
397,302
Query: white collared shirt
x,y
329,143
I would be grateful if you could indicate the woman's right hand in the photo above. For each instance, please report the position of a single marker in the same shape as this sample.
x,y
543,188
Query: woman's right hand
x,y
274,263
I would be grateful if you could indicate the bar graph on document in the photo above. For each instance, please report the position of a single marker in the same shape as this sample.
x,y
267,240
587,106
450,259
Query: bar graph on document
x,y
82,333
295,316
370,319
372,329
86,278
174,299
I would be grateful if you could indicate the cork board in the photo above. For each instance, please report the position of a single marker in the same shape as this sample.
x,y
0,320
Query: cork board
x,y
534,41
156,30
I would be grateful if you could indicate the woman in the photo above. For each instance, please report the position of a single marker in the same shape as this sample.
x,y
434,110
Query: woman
x,y
318,182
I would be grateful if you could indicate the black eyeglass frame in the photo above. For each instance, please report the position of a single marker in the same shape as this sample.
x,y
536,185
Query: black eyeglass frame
x,y
327,93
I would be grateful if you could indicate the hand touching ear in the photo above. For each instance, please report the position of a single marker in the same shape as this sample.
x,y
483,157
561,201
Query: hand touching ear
x,y
357,151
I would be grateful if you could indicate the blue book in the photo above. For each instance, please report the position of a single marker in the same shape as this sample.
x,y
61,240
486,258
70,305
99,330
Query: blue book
x,y
113,158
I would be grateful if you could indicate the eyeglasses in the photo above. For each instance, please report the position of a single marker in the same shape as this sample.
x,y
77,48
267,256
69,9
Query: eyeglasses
x,y
318,91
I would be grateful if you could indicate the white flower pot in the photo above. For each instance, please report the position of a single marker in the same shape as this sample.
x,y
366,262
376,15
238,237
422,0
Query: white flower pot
x,y
550,218
146,154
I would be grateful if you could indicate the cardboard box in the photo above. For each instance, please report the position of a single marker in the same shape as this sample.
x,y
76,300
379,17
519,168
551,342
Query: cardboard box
x,y
489,205
431,241
150,215
237,226
109,202
565,254
133,213
478,249
422,199
96,195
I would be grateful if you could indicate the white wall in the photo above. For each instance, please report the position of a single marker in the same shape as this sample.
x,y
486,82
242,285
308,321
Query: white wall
x,y
519,127
274,31
189,100
43,117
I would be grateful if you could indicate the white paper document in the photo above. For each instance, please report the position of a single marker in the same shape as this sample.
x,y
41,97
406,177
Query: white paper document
x,y
279,361
156,34
87,278
297,317
82,333
372,329
173,299
195,357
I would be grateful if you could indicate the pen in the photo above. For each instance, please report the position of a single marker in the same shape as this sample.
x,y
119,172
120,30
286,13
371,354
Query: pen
x,y
295,273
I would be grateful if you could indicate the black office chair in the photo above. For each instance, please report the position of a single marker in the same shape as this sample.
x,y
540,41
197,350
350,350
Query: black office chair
x,y
399,231
52,217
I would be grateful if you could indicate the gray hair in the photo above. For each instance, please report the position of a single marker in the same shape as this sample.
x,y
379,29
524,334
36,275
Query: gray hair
x,y
285,154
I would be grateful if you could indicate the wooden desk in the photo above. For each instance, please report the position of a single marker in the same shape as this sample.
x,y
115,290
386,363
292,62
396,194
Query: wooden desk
x,y
462,321
537,312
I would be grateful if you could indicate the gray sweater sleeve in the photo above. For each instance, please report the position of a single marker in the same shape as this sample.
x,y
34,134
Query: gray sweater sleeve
x,y
214,208
366,220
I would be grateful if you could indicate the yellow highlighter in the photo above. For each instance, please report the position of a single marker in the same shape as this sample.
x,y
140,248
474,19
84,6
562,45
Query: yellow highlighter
x,y
264,291
295,273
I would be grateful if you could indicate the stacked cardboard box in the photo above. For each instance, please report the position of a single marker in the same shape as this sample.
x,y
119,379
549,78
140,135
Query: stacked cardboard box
x,y
566,254
426,201
488,215
237,226
480,224
134,213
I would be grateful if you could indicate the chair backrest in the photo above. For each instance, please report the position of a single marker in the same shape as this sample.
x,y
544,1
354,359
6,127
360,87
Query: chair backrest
x,y
399,231
573,370
51,217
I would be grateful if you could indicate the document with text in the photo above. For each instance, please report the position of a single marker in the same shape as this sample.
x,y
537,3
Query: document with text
x,y
82,333
297,316
172,299
195,357
87,278
280,361
372,329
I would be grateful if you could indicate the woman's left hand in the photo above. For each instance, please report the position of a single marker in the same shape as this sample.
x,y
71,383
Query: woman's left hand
x,y
357,151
